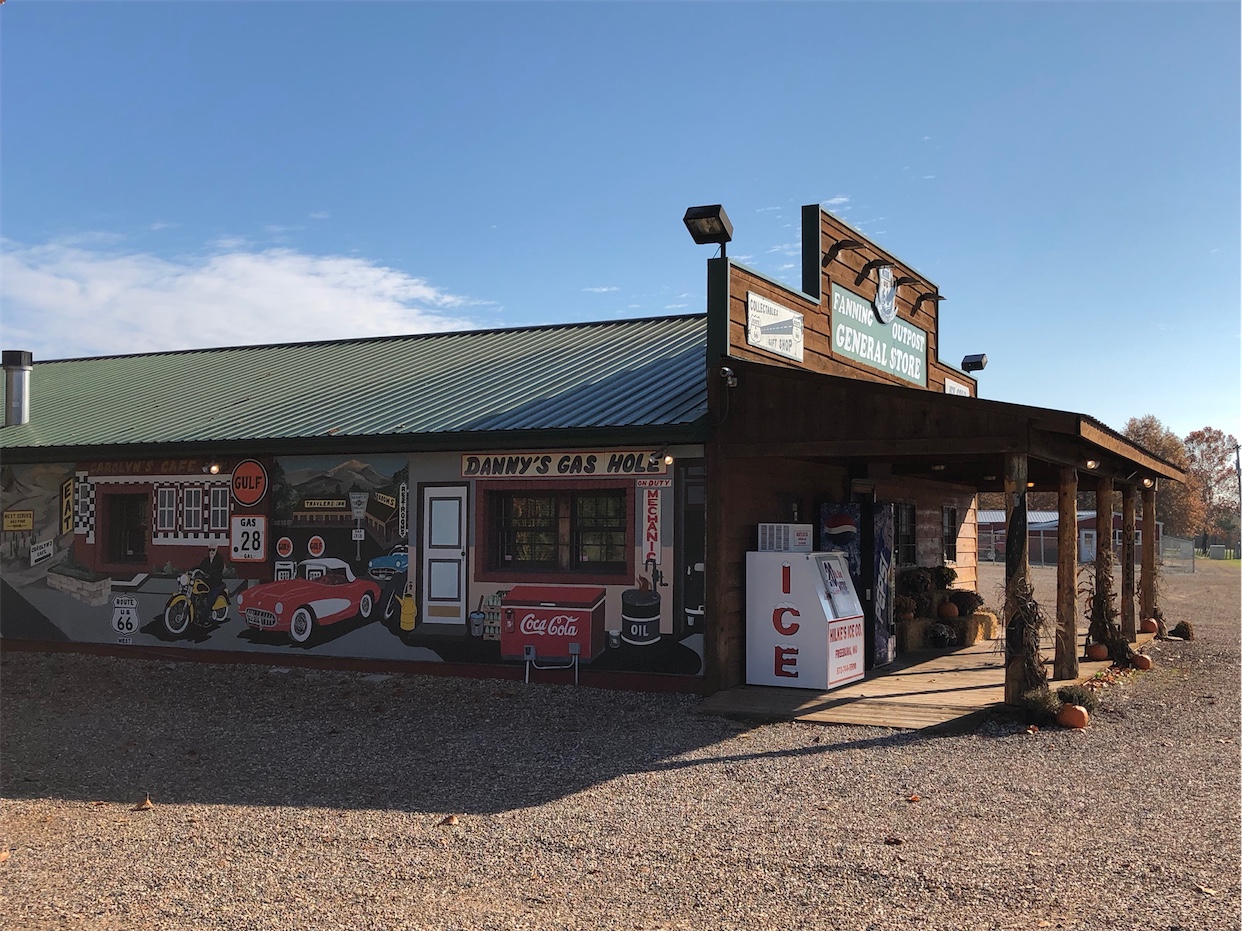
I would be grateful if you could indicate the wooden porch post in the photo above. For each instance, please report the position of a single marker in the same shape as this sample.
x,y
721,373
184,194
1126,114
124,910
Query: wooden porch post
x,y
1128,626
1104,534
1147,580
1065,663
1017,569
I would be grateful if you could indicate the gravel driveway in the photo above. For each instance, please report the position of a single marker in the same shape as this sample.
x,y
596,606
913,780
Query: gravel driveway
x,y
287,799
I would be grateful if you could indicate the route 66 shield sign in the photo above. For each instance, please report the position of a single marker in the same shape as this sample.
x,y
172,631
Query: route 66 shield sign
x,y
125,614
886,296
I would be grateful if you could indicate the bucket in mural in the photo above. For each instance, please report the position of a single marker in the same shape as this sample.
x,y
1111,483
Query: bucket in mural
x,y
694,620
640,615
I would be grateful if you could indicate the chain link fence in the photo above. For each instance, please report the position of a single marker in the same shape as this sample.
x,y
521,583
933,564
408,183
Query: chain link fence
x,y
1177,554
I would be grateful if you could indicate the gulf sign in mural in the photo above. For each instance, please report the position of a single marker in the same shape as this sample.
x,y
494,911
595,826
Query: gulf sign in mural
x,y
895,348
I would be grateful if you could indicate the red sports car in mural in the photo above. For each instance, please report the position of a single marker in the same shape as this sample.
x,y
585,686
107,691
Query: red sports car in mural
x,y
323,592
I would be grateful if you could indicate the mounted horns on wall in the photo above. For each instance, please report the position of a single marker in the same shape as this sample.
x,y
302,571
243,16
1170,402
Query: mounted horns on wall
x,y
869,268
841,245
931,296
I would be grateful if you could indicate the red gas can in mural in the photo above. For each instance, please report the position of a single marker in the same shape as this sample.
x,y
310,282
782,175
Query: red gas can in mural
x,y
550,618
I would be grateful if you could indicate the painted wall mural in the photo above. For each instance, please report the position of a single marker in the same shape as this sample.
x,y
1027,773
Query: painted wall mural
x,y
557,557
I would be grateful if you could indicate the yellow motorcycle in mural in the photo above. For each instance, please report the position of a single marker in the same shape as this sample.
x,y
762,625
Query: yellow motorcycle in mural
x,y
188,605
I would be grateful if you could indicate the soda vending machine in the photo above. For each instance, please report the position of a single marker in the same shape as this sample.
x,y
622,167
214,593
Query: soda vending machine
x,y
804,622
864,533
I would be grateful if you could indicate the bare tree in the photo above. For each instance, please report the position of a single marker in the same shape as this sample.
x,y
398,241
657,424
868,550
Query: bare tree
x,y
1210,455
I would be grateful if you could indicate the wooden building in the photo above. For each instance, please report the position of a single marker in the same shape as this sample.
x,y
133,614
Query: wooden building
x,y
575,502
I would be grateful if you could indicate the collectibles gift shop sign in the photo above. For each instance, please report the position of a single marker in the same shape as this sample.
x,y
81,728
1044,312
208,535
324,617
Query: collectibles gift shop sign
x,y
895,348
773,327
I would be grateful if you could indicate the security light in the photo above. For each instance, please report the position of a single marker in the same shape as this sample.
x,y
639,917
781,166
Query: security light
x,y
709,224
975,363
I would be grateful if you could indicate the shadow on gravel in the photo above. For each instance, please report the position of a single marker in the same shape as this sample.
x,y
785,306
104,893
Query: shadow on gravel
x,y
93,728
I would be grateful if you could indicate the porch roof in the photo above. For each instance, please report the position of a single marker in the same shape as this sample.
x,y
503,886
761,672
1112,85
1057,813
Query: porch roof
x,y
784,412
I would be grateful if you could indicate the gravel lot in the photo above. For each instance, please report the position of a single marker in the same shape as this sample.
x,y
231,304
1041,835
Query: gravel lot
x,y
305,799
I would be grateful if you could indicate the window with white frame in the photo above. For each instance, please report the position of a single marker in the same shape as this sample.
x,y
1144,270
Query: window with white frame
x,y
166,509
219,508
192,510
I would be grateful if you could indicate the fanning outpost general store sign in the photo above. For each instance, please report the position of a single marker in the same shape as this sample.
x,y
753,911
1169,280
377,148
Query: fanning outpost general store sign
x,y
858,332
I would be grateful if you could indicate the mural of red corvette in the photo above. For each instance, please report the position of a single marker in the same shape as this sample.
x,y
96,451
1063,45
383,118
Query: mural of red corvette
x,y
323,592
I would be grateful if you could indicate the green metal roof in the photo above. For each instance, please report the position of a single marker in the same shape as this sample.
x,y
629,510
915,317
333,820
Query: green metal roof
x,y
630,373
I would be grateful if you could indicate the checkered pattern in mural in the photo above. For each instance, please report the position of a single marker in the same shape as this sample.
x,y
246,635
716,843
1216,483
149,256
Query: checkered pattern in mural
x,y
84,507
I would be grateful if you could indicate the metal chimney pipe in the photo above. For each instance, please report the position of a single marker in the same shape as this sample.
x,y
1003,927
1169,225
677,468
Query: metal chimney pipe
x,y
17,367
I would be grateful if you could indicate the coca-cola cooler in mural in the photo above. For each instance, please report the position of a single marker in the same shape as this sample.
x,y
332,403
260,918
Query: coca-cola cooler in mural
x,y
550,618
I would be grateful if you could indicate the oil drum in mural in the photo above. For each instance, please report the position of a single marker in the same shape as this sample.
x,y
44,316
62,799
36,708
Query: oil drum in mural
x,y
640,616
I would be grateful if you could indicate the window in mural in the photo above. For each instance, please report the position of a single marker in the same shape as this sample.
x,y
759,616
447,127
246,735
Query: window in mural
x,y
219,508
166,509
193,511
599,531
566,532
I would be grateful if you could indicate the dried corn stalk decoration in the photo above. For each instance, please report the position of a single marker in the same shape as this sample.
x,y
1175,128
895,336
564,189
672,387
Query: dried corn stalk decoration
x,y
1102,609
1024,628
1024,664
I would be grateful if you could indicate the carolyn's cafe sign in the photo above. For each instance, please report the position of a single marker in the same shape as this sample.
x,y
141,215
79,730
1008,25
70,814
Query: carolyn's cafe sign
x,y
896,348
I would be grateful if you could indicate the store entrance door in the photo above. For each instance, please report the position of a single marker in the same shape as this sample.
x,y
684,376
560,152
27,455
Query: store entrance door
x,y
444,554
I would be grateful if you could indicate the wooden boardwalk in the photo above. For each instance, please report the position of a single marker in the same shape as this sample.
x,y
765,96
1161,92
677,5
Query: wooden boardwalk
x,y
924,689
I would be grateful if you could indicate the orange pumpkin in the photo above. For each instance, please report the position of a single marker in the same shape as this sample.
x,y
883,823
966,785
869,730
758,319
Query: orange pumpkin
x,y
947,609
1140,661
1097,651
1149,625
1073,716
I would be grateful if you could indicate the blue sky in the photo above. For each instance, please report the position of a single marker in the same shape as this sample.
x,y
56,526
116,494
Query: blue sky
x,y
193,174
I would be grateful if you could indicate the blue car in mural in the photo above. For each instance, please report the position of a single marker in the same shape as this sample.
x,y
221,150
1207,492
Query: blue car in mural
x,y
396,560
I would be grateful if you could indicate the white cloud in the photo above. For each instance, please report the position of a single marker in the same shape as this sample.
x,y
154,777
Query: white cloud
x,y
318,215
836,201
788,248
602,290
766,209
160,225
62,300
675,306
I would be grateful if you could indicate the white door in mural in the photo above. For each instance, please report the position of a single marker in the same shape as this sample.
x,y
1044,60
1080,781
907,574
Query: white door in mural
x,y
444,555
1086,546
